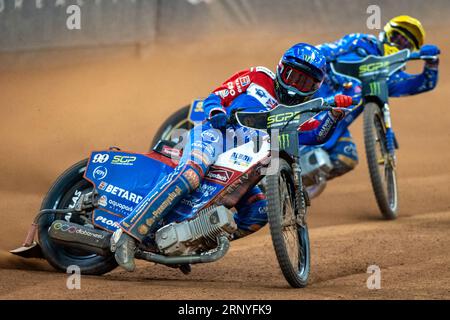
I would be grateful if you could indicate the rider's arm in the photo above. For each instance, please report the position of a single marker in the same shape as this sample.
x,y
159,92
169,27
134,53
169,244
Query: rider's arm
x,y
348,43
222,96
403,84
317,129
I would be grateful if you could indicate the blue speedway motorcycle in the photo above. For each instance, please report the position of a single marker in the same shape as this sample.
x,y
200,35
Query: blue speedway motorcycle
x,y
380,142
84,205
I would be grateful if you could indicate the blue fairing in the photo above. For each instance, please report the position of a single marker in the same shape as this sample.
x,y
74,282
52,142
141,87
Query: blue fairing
x,y
122,180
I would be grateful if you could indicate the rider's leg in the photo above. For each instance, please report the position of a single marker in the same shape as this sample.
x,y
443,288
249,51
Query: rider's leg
x,y
343,156
251,213
203,147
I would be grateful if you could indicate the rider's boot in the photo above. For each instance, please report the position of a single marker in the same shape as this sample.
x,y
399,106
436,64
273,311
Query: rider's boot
x,y
124,247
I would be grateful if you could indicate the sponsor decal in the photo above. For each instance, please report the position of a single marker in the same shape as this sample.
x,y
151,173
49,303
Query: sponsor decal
x,y
124,160
210,135
240,159
70,228
100,158
207,190
107,222
223,93
122,193
280,119
266,71
102,185
325,129
260,93
198,106
100,173
143,229
192,178
369,68
103,201
223,176
171,152
244,80
168,201
114,204
283,141
188,202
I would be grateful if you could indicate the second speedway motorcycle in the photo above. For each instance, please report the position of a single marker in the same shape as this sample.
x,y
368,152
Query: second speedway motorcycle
x,y
85,204
373,73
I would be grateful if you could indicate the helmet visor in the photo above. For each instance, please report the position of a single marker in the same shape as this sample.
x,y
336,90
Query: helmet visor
x,y
298,79
401,41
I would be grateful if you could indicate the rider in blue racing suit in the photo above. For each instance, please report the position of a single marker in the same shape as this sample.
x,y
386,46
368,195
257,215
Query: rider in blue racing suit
x,y
299,75
402,32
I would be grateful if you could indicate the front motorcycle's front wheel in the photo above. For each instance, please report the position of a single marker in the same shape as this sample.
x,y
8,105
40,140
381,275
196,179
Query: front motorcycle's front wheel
x,y
290,238
381,164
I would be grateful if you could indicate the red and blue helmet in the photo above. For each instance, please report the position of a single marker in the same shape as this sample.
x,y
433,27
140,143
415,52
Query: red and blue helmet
x,y
300,74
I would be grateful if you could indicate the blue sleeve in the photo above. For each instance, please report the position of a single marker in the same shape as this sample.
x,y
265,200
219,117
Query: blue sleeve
x,y
358,43
332,50
211,103
403,84
321,133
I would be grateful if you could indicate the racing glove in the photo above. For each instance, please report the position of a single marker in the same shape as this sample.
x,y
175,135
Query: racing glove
x,y
218,119
341,101
429,50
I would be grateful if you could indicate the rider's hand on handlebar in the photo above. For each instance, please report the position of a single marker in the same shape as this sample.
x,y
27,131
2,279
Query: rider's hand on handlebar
x,y
341,102
429,50
218,119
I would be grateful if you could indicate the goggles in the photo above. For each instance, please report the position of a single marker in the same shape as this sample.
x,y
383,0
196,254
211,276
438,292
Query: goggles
x,y
298,79
401,41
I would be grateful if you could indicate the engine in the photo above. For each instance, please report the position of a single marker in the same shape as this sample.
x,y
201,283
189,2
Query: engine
x,y
314,164
199,233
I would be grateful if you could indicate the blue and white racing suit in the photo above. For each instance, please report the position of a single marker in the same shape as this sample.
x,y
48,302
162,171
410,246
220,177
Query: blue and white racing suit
x,y
354,47
252,90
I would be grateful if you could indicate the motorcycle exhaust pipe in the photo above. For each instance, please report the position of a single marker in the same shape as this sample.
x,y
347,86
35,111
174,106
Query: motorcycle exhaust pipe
x,y
218,253
80,237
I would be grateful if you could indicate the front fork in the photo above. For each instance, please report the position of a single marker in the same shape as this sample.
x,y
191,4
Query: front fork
x,y
391,142
301,196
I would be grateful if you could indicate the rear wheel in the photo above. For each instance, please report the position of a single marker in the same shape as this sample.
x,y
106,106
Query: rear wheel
x,y
64,193
290,238
381,165
179,120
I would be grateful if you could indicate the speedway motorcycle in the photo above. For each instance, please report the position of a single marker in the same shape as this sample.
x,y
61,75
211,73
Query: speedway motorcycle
x,y
380,142
85,204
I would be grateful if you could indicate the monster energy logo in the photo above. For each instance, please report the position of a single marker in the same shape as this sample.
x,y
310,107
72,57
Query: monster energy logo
x,y
283,141
375,88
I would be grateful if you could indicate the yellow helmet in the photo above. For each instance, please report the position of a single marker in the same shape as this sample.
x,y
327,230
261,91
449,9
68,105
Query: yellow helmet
x,y
408,27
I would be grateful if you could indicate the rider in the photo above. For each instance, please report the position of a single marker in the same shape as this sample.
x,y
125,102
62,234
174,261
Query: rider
x,y
299,75
402,32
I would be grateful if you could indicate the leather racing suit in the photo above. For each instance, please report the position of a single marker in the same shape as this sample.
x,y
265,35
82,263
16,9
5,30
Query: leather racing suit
x,y
252,90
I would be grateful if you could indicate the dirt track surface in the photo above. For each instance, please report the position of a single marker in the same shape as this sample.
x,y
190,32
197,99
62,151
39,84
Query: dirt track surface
x,y
54,113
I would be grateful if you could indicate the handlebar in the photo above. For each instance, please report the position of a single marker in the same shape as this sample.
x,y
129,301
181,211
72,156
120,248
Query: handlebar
x,y
416,56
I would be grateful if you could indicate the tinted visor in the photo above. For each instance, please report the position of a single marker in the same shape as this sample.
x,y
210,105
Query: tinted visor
x,y
299,79
401,41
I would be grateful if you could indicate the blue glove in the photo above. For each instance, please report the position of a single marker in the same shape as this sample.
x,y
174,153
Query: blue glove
x,y
429,50
218,120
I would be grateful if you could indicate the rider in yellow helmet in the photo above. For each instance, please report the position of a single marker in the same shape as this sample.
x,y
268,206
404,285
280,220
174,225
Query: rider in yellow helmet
x,y
401,32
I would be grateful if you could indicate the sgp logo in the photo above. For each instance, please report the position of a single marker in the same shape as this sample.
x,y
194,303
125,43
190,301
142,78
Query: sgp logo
x,y
100,158
124,160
